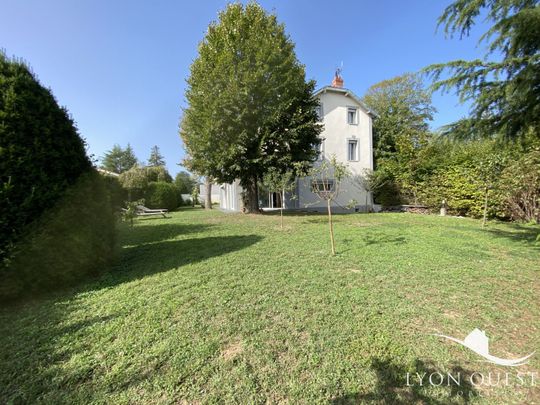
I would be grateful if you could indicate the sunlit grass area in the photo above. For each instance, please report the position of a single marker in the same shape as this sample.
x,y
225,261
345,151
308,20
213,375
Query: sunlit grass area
x,y
212,307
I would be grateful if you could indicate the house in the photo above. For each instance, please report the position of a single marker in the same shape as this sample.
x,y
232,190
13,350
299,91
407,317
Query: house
x,y
215,193
347,134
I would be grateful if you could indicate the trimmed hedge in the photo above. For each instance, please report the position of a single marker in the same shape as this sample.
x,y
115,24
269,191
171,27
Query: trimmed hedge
x,y
160,194
57,221
41,153
74,239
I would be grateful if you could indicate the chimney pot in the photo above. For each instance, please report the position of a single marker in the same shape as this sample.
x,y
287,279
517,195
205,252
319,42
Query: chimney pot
x,y
338,80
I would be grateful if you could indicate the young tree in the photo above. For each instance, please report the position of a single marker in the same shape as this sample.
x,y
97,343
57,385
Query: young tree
x,y
249,106
156,158
369,181
490,168
505,93
279,183
326,183
134,180
118,160
195,195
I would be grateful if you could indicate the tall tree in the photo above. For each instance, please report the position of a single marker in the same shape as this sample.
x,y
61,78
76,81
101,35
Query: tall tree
x,y
401,129
504,91
156,158
184,182
119,160
249,106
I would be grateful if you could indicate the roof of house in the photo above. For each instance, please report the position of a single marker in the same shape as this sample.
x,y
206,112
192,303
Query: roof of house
x,y
346,93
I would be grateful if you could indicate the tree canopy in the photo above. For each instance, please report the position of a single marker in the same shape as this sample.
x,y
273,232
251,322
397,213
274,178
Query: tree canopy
x,y
249,106
156,158
184,182
400,131
504,86
119,160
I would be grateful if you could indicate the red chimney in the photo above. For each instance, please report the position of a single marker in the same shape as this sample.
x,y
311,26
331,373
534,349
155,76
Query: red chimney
x,y
338,80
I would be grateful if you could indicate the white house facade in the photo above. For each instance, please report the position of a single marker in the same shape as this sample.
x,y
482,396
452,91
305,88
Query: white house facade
x,y
348,135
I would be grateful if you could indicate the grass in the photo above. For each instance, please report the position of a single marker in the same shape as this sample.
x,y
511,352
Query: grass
x,y
213,308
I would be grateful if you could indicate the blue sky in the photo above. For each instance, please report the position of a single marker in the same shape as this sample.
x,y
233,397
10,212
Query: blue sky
x,y
120,66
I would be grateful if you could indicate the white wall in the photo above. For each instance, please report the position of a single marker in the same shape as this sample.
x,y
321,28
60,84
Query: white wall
x,y
337,132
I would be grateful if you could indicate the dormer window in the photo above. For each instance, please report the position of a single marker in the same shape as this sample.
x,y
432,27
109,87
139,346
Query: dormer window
x,y
352,116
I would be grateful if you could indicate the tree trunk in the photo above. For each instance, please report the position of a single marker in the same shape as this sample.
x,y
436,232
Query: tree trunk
x,y
208,199
251,203
331,228
367,196
281,208
485,207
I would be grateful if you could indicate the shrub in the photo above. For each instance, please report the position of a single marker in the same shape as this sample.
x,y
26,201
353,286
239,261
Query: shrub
x,y
41,153
73,239
135,181
117,193
160,194
519,187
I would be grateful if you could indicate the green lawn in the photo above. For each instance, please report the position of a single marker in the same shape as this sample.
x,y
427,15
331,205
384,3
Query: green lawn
x,y
212,307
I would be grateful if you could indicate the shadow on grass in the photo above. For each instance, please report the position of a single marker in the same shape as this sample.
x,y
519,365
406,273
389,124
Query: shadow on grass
x,y
37,351
392,386
518,233
151,258
154,232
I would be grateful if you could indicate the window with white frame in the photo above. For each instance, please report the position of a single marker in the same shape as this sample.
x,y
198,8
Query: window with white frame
x,y
352,115
322,186
352,150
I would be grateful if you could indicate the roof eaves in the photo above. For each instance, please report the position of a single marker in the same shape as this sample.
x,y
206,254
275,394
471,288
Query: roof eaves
x,y
349,93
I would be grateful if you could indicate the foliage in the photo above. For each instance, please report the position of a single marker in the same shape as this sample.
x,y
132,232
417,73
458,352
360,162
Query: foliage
x,y
156,158
160,194
118,160
73,239
184,182
116,192
249,106
520,187
135,180
403,110
130,211
326,178
505,93
41,153
158,173
464,173
400,133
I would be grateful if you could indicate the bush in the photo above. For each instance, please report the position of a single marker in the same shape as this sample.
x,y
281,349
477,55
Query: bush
x,y
73,239
117,193
41,153
519,188
160,194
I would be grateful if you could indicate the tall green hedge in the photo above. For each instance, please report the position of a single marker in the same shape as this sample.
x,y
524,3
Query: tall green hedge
x,y
73,239
41,153
56,214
